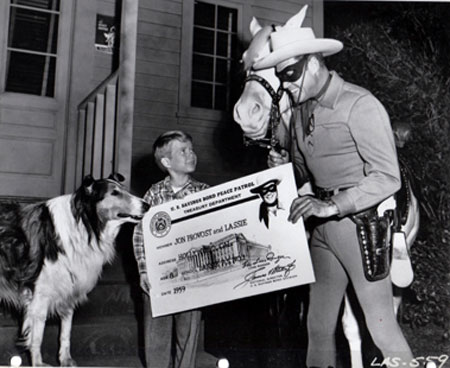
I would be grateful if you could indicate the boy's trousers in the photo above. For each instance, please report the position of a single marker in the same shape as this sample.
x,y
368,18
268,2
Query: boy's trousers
x,y
170,341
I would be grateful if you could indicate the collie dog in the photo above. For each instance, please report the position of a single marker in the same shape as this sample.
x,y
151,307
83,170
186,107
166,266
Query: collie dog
x,y
52,254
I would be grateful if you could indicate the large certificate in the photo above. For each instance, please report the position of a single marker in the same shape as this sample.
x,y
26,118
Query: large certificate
x,y
228,242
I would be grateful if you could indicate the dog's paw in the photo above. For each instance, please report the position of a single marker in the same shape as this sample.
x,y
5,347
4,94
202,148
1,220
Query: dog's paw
x,y
37,362
68,363
41,364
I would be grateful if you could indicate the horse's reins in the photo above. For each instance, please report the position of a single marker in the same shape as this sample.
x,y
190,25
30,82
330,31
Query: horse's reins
x,y
275,115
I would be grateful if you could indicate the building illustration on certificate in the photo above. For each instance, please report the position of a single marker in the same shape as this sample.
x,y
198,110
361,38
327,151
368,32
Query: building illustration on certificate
x,y
230,253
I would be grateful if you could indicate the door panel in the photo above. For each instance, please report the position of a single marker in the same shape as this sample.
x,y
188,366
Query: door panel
x,y
16,153
32,128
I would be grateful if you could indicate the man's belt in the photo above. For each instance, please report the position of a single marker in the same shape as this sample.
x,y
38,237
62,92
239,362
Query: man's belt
x,y
324,194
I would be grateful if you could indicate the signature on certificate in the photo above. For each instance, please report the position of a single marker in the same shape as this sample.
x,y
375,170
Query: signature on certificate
x,y
264,267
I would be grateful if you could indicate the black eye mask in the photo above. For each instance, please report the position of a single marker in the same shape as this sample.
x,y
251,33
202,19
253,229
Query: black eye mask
x,y
292,72
271,188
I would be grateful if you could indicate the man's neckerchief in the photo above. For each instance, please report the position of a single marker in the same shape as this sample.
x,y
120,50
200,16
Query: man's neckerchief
x,y
307,109
264,212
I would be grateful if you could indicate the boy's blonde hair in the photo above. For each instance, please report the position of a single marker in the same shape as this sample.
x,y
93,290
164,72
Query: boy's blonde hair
x,y
161,147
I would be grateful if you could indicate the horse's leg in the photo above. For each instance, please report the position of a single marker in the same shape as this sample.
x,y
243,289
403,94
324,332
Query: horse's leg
x,y
65,357
397,292
352,333
411,228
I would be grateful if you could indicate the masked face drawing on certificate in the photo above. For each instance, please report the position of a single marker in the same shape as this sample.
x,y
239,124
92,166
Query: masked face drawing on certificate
x,y
271,207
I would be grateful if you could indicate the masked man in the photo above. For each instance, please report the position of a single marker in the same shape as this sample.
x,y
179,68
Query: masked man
x,y
343,137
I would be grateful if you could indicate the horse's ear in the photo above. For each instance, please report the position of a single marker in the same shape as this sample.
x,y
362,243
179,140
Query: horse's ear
x,y
117,177
297,20
402,133
255,27
258,47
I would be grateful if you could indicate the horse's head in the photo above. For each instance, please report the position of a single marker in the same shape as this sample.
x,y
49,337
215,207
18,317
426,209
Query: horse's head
x,y
252,110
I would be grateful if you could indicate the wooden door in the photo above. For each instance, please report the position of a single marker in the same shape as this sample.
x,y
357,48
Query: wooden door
x,y
33,113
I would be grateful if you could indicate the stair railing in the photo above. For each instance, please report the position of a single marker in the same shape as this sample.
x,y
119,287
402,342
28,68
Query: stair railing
x,y
97,131
105,117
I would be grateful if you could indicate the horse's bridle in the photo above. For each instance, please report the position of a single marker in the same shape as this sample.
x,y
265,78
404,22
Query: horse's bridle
x,y
272,141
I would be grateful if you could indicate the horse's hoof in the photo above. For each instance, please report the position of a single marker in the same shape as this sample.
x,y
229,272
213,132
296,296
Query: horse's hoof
x,y
69,363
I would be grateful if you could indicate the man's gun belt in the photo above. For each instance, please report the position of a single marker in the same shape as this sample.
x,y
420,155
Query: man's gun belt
x,y
374,236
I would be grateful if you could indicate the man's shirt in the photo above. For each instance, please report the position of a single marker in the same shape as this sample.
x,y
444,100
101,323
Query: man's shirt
x,y
352,146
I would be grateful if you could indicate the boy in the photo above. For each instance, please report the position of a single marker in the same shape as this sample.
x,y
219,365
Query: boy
x,y
170,341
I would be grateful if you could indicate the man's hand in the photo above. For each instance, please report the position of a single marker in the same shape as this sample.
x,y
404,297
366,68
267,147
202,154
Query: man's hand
x,y
145,283
309,206
275,158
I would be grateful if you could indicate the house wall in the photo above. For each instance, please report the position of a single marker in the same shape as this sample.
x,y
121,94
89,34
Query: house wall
x,y
89,68
218,142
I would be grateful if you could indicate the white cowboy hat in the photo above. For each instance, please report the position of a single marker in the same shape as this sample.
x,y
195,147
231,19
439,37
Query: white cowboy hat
x,y
262,182
294,40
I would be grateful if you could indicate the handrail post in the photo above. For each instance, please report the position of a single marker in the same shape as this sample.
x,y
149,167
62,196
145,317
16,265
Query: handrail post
x,y
125,106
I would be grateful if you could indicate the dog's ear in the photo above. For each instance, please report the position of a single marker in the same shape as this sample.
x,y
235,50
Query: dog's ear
x,y
117,177
88,182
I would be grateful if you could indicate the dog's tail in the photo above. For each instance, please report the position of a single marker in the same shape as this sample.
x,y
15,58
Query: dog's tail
x,y
19,268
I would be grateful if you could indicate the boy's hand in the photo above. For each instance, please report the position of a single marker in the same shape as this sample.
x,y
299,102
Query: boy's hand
x,y
145,283
275,158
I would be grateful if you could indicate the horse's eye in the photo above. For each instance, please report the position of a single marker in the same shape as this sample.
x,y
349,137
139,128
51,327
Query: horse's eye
x,y
115,192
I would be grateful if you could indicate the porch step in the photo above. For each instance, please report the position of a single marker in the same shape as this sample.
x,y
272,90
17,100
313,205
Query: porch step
x,y
107,299
113,338
106,326
103,342
105,333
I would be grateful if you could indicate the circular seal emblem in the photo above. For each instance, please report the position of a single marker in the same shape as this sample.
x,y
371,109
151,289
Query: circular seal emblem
x,y
160,224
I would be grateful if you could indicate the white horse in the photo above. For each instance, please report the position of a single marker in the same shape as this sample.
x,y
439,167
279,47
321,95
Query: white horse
x,y
261,102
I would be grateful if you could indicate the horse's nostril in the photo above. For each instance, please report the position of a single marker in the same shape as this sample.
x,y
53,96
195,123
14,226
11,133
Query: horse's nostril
x,y
256,109
237,116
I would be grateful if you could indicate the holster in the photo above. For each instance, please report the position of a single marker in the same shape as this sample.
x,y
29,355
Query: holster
x,y
374,235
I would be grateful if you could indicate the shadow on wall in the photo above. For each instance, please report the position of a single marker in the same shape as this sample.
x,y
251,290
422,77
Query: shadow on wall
x,y
144,173
236,158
